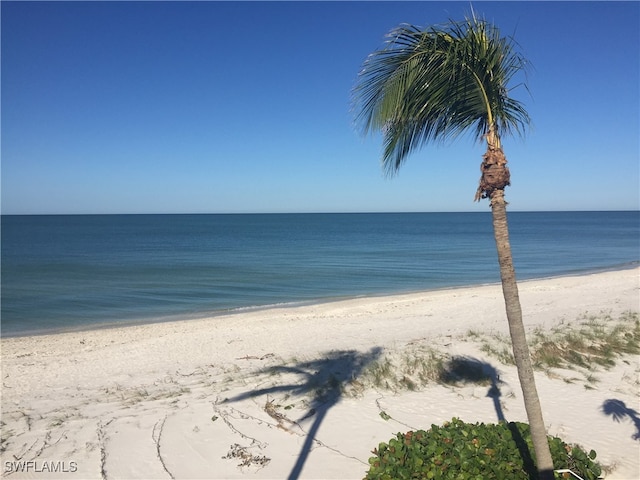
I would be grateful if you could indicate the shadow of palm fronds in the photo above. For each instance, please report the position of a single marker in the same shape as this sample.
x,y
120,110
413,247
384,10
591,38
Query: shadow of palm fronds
x,y
461,369
618,410
468,370
324,380
321,378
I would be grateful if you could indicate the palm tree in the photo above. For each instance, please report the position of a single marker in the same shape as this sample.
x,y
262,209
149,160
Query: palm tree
x,y
434,85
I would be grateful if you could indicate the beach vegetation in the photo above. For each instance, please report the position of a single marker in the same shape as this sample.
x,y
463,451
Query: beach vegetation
x,y
271,408
435,84
460,369
464,451
590,381
499,350
380,374
416,368
134,396
633,380
571,352
592,343
410,370
245,457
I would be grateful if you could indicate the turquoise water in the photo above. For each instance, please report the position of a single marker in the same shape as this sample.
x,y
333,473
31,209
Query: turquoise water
x,y
61,272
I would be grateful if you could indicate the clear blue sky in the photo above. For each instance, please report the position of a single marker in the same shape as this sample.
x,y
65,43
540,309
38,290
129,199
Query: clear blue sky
x,y
224,107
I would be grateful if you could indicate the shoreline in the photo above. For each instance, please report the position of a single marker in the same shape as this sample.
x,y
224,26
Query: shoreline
x,y
292,304
208,398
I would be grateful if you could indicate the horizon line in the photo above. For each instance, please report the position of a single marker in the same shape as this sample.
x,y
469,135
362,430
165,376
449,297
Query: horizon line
x,y
309,213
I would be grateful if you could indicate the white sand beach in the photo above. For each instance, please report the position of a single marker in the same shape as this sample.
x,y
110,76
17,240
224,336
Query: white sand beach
x,y
249,395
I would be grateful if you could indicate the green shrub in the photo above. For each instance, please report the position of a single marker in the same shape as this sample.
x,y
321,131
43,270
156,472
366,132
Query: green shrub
x,y
463,451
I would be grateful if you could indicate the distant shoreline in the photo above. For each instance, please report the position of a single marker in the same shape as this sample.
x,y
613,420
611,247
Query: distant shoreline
x,y
288,305
488,211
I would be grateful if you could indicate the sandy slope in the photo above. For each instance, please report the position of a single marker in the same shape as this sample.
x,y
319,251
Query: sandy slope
x,y
252,395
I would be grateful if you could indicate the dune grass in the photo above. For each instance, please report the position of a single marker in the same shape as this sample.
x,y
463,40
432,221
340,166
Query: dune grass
x,y
409,370
573,352
593,343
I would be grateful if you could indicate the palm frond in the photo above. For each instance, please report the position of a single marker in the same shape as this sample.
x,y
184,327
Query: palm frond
x,y
437,83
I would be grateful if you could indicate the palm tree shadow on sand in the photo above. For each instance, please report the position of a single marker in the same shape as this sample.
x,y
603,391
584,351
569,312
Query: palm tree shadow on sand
x,y
471,370
461,369
619,411
324,379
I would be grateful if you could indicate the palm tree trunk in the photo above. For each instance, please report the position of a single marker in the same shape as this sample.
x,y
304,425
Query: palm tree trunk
x,y
518,339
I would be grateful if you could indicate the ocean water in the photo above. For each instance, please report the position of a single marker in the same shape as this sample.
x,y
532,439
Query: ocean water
x,y
65,272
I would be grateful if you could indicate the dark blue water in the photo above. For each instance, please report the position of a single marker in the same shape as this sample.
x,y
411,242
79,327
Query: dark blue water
x,y
62,272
